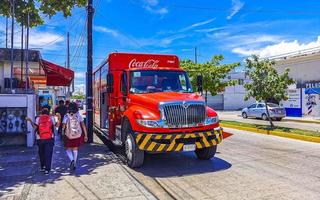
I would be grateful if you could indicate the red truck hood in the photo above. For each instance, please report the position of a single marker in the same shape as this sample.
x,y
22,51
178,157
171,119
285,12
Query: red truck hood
x,y
152,100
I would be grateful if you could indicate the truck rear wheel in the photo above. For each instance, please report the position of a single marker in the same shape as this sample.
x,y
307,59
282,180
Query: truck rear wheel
x,y
134,155
206,153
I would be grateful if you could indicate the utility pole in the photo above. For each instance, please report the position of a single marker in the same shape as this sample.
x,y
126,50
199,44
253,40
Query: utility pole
x,y
7,32
195,55
89,112
68,59
22,54
27,52
12,32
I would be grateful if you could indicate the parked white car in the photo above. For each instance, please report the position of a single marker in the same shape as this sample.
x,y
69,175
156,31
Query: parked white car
x,y
258,110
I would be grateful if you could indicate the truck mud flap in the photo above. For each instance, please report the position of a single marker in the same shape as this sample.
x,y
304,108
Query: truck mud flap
x,y
175,142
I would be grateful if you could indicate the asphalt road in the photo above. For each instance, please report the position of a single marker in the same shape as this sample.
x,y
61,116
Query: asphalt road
x,y
247,166
235,116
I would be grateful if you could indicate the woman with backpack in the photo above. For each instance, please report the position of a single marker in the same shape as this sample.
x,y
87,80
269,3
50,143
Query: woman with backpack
x,y
73,126
44,128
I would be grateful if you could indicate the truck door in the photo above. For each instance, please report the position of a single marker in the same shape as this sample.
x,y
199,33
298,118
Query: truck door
x,y
104,110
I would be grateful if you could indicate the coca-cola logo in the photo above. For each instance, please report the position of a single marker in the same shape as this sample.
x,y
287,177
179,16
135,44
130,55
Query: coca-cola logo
x,y
143,64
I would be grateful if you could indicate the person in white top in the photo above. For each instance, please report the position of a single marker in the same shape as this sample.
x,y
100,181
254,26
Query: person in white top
x,y
75,133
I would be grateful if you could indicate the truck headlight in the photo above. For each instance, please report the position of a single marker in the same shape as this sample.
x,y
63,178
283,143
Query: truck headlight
x,y
148,123
211,120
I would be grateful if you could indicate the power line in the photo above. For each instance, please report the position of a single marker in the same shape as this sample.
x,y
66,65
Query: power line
x,y
294,12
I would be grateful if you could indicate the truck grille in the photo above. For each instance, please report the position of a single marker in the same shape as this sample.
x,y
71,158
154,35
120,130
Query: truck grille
x,y
184,114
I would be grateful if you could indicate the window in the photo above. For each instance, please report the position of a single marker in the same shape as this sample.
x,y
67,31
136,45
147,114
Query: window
x,y
159,81
240,81
260,105
252,106
123,85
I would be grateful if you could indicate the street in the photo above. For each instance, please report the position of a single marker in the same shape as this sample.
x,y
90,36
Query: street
x,y
236,116
247,166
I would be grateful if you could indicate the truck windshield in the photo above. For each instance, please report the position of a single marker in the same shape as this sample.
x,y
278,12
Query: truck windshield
x,y
159,81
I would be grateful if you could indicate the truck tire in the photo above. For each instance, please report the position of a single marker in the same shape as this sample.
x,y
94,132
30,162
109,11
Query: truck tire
x,y
134,155
206,153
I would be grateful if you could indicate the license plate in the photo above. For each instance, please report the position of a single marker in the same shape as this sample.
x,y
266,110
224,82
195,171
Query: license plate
x,y
189,147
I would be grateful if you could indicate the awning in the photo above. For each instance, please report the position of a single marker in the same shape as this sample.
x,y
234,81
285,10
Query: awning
x,y
57,75
312,91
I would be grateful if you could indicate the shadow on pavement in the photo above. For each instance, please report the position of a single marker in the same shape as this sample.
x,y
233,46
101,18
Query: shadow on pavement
x,y
24,167
180,164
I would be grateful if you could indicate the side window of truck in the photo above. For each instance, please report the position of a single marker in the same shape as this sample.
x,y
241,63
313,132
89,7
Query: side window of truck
x,y
123,84
183,82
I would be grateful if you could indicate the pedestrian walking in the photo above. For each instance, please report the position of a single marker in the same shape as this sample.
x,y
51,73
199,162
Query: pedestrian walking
x,y
75,133
62,110
44,129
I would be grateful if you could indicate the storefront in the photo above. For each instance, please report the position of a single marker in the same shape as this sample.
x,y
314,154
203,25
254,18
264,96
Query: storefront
x,y
21,99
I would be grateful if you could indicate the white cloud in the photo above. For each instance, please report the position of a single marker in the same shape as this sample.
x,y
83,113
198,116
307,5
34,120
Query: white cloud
x,y
103,29
236,7
45,40
209,30
80,75
197,24
282,47
152,6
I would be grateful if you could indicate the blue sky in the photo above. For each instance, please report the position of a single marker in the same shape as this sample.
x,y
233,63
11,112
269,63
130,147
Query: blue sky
x,y
233,28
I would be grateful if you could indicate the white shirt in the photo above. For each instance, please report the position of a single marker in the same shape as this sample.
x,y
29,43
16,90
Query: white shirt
x,y
66,118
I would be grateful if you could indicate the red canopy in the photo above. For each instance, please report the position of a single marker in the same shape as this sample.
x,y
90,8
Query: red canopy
x,y
57,75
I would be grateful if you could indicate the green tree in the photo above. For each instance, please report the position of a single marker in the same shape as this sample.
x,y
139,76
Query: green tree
x,y
213,74
266,82
38,9
78,95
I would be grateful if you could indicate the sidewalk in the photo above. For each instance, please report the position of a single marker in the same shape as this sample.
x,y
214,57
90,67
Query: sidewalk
x,y
100,175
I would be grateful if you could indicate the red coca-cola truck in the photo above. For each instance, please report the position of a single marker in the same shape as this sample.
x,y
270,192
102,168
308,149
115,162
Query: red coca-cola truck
x,y
145,103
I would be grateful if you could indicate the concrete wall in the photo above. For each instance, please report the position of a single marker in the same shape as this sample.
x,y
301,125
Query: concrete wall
x,y
302,68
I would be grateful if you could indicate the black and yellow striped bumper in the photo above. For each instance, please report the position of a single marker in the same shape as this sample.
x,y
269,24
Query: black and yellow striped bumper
x,y
175,142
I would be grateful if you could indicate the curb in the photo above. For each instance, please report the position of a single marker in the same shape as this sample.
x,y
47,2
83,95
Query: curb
x,y
275,133
298,120
302,121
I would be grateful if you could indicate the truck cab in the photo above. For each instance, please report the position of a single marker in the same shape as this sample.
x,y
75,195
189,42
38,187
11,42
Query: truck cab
x,y
145,103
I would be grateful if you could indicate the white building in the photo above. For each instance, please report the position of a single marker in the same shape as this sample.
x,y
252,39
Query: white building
x,y
304,99
233,96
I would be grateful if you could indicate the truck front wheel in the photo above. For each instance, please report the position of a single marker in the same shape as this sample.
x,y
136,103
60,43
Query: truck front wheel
x,y
134,155
206,153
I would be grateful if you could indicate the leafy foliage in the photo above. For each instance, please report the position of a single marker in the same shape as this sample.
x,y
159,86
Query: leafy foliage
x,y
213,74
78,95
266,82
37,9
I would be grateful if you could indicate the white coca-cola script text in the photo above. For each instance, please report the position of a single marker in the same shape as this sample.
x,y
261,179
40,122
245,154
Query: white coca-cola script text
x,y
143,64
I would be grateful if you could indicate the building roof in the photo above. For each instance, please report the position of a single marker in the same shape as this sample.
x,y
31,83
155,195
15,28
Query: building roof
x,y
18,55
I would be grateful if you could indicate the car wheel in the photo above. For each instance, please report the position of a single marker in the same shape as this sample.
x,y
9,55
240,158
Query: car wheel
x,y
244,115
264,116
279,119
134,155
206,153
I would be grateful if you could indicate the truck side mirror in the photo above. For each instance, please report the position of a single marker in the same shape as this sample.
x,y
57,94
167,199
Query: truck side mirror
x,y
109,83
199,84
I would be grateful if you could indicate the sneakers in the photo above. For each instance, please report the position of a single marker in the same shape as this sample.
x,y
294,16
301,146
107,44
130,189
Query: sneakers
x,y
72,165
46,172
42,169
